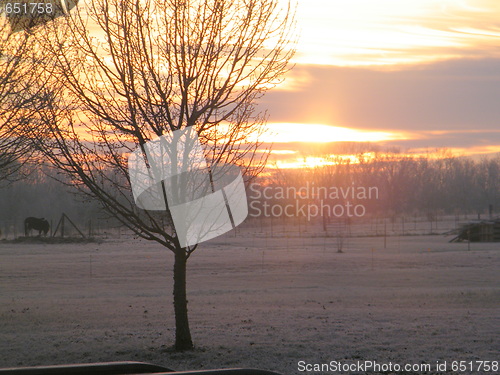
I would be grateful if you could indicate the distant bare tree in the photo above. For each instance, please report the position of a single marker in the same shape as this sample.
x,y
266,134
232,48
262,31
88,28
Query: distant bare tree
x,y
12,47
20,99
152,67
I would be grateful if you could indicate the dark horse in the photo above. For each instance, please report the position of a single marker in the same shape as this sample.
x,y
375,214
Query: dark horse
x,y
41,225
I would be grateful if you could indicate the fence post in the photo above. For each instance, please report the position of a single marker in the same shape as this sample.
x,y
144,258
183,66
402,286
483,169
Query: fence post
x,y
385,234
62,225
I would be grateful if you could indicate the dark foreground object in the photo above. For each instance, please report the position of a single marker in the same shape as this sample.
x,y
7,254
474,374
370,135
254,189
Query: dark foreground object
x,y
479,231
121,368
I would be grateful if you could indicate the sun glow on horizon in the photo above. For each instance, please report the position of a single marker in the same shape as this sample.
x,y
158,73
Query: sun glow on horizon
x,y
319,133
320,161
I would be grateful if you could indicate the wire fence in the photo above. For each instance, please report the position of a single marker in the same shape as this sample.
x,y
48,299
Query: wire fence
x,y
353,227
64,227
267,227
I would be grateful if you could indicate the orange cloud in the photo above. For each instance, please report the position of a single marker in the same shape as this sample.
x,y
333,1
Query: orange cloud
x,y
391,32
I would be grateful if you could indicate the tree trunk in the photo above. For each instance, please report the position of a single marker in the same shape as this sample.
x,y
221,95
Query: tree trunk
x,y
182,332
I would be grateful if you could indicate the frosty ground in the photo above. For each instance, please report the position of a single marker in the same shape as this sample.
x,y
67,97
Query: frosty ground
x,y
254,301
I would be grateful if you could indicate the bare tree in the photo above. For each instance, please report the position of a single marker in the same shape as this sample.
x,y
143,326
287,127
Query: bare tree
x,y
14,99
148,68
22,93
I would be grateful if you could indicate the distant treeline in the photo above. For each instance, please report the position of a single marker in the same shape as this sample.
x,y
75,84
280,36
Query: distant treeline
x,y
384,184
40,194
429,185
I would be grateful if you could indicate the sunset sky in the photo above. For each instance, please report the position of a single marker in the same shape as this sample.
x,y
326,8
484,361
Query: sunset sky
x,y
410,74
417,74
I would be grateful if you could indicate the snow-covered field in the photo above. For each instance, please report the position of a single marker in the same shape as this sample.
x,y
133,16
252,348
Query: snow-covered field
x,y
254,301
